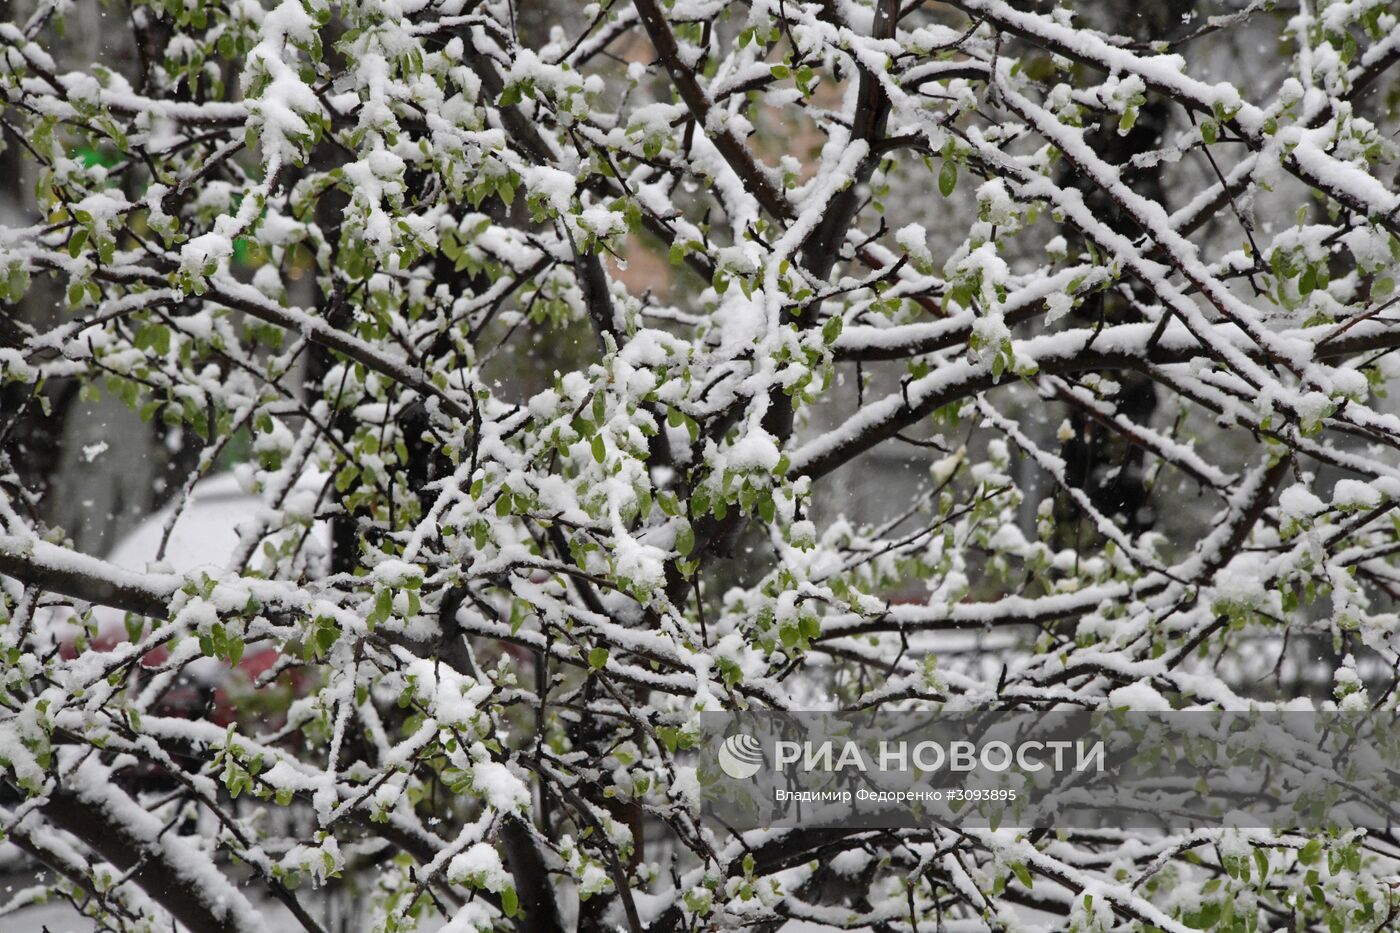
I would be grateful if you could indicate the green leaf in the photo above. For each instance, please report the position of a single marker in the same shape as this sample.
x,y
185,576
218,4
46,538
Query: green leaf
x,y
326,636
600,450
597,658
17,282
947,177
1308,281
832,329
383,608
766,509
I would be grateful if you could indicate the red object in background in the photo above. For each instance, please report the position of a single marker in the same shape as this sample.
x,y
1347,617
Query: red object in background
x,y
206,535
202,696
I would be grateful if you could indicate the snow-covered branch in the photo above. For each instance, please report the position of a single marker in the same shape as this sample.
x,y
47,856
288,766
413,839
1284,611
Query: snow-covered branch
x,y
526,380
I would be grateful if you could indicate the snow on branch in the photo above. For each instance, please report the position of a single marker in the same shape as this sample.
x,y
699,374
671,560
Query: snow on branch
x,y
486,390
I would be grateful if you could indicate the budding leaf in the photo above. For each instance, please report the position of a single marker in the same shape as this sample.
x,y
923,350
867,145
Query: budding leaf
x,y
947,178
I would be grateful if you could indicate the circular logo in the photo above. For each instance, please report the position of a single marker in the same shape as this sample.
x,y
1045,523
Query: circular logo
x,y
740,756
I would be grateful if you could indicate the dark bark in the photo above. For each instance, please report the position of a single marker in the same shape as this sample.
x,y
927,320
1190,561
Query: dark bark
x,y
149,865
1101,462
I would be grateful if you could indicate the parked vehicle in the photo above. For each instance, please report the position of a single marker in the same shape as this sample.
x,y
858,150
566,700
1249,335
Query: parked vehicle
x,y
206,534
